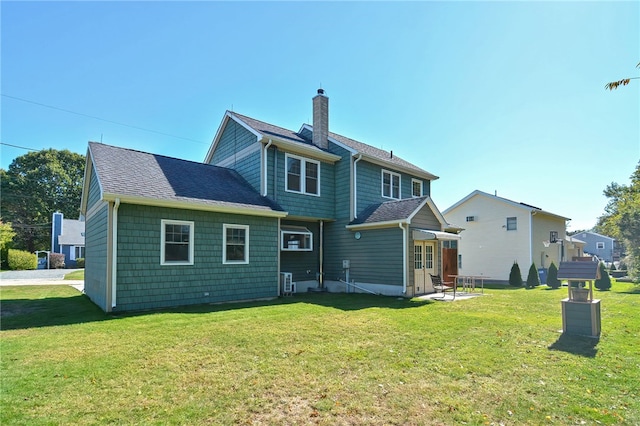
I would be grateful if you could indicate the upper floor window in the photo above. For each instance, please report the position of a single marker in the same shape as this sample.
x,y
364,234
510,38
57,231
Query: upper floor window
x,y
176,246
416,188
235,247
390,185
512,223
303,175
599,245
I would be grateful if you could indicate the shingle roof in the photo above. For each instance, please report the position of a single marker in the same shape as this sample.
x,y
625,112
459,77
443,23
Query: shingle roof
x,y
389,211
125,172
72,233
360,147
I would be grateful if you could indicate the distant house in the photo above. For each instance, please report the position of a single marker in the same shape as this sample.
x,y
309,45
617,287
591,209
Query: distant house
x,y
599,245
498,232
270,211
67,237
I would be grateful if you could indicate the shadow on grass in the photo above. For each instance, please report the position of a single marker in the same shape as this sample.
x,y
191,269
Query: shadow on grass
x,y
47,312
57,310
577,345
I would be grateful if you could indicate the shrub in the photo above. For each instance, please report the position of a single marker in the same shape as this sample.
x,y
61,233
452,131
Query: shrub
x,y
552,276
515,277
56,261
19,260
533,280
604,282
80,262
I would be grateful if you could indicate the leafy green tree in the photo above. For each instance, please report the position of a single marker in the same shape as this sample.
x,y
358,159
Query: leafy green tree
x,y
515,277
604,282
6,234
35,186
621,219
533,279
552,276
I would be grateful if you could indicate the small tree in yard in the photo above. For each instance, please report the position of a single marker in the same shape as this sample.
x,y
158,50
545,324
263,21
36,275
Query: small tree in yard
x,y
552,276
533,280
515,277
604,282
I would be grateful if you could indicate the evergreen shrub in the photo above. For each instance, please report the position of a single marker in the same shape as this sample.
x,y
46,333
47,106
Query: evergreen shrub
x,y
80,262
604,282
20,260
552,276
533,279
515,277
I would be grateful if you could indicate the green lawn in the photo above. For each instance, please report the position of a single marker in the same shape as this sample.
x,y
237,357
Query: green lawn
x,y
75,275
319,359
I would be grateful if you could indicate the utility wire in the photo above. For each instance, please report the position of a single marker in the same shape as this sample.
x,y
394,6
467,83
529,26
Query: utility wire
x,y
21,147
98,118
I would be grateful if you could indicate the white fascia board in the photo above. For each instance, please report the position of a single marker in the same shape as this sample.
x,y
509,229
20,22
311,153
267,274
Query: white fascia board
x,y
376,225
310,151
228,115
187,205
395,167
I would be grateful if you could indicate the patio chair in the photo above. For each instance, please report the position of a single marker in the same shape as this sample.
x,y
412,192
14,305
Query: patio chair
x,y
440,286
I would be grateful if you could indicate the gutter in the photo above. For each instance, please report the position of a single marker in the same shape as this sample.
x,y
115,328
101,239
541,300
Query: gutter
x,y
114,252
404,257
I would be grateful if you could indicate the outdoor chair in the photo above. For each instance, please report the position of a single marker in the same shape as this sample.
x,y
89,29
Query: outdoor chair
x,y
440,286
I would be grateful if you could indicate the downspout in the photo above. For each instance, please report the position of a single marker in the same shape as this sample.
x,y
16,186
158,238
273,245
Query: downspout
x,y
321,277
404,258
114,255
355,186
265,165
531,237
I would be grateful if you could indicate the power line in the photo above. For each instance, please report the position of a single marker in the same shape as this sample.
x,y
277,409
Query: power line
x,y
21,147
98,118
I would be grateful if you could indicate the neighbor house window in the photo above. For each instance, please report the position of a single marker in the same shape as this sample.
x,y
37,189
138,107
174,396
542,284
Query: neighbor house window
x,y
512,223
79,252
177,242
599,245
390,185
416,188
303,175
235,248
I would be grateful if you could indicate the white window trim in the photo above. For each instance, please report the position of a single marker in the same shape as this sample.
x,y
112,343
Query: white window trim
x,y
413,180
303,177
600,245
391,197
226,226
163,224
292,230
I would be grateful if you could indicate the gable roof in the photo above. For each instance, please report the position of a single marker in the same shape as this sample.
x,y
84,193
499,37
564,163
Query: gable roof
x,y
138,177
516,204
391,213
297,142
595,234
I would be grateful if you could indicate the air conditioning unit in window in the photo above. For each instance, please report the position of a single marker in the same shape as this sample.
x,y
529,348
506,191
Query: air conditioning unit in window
x,y
471,218
286,283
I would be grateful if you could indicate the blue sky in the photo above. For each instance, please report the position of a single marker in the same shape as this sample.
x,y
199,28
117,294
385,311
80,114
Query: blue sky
x,y
495,96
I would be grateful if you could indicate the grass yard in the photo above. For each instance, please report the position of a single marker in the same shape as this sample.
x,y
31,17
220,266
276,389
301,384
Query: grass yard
x,y
329,359
75,275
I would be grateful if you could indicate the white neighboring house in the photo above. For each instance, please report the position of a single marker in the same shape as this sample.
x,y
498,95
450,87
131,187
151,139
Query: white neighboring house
x,y
498,232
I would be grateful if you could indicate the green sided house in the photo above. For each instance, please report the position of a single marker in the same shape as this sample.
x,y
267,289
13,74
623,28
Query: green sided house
x,y
269,211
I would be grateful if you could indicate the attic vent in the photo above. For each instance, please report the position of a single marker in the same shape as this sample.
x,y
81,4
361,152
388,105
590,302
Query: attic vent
x,y
471,218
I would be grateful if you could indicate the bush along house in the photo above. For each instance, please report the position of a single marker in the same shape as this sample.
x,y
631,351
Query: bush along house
x,y
269,211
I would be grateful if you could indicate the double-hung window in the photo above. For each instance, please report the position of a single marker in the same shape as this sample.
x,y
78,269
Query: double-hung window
x,y
390,185
416,188
303,175
176,247
235,246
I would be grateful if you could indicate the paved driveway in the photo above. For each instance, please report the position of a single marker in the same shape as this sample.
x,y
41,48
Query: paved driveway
x,y
40,277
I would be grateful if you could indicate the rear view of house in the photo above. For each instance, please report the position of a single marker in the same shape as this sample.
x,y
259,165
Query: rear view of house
x,y
268,205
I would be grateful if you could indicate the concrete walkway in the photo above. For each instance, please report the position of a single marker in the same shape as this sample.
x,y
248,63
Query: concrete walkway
x,y
460,295
40,277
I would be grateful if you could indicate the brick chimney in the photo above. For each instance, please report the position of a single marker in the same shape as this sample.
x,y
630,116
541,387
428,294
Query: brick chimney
x,y
321,120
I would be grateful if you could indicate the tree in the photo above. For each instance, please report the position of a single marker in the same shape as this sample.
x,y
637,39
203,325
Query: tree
x,y
621,219
533,279
6,234
515,277
552,277
614,84
35,186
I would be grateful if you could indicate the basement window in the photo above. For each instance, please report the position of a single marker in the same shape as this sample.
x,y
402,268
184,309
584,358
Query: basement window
x,y
296,238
